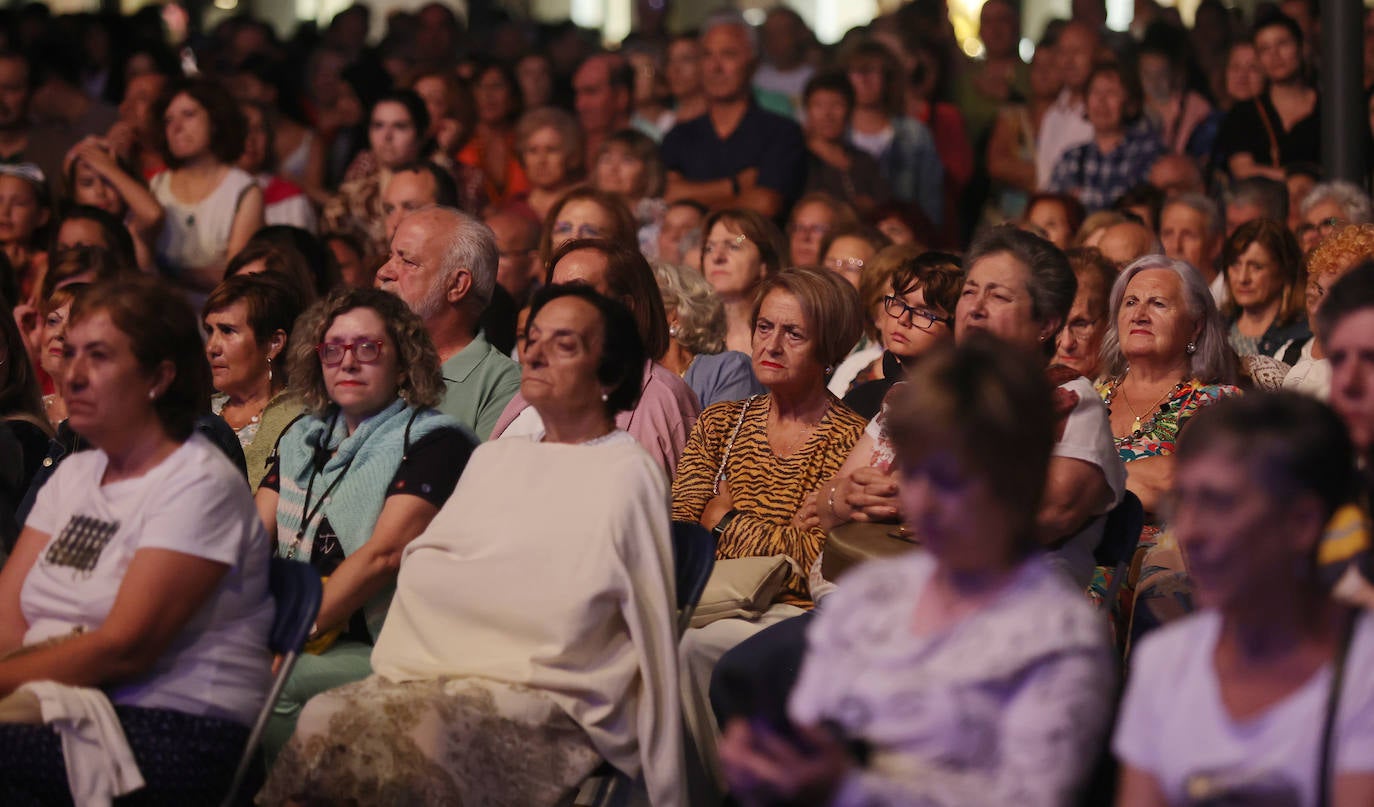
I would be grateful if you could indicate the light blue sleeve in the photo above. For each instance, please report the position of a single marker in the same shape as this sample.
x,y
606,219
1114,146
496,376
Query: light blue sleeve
x,y
727,376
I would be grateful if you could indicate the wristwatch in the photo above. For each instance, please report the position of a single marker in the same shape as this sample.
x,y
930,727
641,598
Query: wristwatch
x,y
724,522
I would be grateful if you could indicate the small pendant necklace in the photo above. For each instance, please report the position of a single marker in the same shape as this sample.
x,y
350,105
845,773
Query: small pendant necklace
x,y
1140,424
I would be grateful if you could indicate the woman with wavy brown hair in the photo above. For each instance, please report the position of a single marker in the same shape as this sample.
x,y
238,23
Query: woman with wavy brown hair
x,y
358,476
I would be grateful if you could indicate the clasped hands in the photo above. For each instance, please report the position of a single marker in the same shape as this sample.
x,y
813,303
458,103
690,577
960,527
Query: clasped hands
x,y
867,494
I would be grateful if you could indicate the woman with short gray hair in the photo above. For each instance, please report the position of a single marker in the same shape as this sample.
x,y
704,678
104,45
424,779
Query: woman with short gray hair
x,y
1329,205
696,338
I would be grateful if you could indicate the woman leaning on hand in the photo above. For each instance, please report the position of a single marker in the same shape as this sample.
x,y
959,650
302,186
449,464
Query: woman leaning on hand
x,y
749,464
141,570
359,476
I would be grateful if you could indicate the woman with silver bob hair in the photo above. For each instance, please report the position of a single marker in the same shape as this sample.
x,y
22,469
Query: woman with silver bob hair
x,y
696,338
1166,357
1209,357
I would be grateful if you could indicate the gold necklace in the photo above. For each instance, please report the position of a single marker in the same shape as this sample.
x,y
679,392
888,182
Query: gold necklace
x,y
1136,424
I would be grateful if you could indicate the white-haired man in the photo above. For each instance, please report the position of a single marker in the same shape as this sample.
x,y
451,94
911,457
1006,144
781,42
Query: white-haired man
x,y
443,265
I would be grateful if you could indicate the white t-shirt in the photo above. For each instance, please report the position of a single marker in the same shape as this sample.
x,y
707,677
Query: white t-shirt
x,y
194,502
1174,726
1310,376
875,143
1064,126
1088,437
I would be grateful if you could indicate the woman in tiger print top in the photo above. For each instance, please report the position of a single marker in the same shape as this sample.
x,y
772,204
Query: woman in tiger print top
x,y
748,464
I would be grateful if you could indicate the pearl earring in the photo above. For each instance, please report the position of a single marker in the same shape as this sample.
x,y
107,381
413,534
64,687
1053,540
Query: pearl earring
x,y
1191,347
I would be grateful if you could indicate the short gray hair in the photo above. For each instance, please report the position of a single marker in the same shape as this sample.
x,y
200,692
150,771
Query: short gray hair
x,y
1269,195
700,313
470,245
733,18
1212,362
1353,200
1216,225
1051,282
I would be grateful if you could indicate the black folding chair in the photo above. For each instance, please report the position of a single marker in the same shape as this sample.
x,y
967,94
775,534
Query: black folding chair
x,y
1119,540
297,590
694,554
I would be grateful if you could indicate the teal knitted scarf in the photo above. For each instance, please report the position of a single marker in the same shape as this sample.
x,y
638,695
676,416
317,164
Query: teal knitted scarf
x,y
351,487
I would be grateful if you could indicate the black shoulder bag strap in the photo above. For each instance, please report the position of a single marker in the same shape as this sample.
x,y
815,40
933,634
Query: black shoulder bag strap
x,y
1325,773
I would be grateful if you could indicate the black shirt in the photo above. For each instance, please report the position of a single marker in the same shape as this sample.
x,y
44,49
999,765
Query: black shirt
x,y
1244,131
769,142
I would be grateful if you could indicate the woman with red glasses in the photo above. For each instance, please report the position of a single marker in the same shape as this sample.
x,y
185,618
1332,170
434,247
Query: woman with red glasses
x,y
358,476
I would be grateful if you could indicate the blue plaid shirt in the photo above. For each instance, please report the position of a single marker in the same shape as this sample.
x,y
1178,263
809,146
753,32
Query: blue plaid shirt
x,y
1097,179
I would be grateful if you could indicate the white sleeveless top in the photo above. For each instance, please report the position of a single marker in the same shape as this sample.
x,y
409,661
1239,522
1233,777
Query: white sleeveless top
x,y
197,235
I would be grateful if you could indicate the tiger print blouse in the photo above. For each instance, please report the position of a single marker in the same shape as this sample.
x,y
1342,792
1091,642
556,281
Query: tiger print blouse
x,y
767,489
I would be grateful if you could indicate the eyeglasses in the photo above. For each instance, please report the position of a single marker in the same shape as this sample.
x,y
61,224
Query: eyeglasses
x,y
734,244
809,230
1321,228
565,228
1081,328
846,265
921,318
365,351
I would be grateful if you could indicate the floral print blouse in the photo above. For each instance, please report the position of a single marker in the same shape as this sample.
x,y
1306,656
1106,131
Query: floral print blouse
x,y
1158,433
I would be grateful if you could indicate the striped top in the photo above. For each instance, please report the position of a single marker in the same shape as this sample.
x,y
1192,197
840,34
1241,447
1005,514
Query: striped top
x,y
767,489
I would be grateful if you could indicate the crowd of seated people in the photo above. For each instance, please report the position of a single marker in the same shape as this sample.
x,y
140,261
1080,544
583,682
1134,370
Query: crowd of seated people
x,y
1028,408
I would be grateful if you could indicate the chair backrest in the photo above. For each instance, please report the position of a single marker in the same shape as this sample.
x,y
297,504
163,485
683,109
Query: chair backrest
x,y
694,553
297,590
1121,533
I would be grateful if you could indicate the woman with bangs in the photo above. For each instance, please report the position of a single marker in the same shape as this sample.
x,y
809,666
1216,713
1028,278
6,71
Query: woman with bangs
x,y
1265,281
910,302
548,143
211,208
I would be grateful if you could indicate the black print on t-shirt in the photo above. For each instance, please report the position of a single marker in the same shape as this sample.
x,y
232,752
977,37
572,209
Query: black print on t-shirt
x,y
80,543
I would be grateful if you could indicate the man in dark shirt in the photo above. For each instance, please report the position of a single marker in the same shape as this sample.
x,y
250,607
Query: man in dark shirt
x,y
737,154
21,140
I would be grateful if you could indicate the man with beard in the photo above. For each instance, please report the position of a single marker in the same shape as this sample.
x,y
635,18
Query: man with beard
x,y
443,265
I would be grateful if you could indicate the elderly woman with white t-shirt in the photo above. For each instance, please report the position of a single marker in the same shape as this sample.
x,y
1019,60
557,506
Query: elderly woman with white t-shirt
x,y
141,571
1264,695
